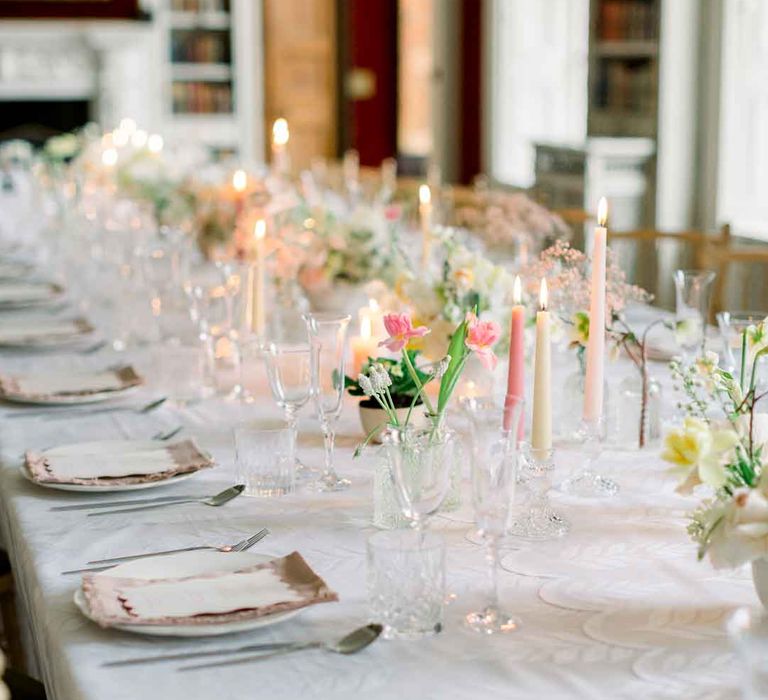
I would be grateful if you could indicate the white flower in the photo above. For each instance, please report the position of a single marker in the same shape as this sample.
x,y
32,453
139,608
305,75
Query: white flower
x,y
365,385
742,534
442,367
380,378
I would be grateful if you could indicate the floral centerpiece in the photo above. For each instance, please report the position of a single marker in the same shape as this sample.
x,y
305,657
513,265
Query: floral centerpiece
x,y
468,281
503,219
346,250
420,463
726,451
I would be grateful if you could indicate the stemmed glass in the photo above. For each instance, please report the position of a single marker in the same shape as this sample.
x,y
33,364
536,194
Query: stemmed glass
x,y
693,290
494,475
290,380
328,343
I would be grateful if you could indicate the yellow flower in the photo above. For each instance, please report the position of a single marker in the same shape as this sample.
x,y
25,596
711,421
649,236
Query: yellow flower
x,y
696,452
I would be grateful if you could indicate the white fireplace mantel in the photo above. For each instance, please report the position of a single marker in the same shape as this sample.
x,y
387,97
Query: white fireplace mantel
x,y
108,63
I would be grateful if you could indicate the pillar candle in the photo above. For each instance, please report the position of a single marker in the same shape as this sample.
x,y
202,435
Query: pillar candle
x,y
515,376
541,430
425,215
364,345
259,286
594,380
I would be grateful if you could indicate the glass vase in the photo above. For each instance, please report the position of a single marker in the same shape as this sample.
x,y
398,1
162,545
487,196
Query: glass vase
x,y
428,456
629,409
573,401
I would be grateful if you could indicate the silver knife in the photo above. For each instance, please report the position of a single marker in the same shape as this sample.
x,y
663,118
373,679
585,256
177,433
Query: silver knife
x,y
218,500
130,502
198,654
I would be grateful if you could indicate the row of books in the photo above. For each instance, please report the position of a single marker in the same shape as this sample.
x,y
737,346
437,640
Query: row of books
x,y
200,5
200,47
626,87
202,98
621,20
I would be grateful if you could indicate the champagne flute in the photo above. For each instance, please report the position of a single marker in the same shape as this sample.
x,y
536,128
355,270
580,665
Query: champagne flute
x,y
494,474
328,339
290,380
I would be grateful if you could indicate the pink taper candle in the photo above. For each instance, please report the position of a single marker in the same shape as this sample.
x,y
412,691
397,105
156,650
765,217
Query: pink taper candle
x,y
593,382
515,376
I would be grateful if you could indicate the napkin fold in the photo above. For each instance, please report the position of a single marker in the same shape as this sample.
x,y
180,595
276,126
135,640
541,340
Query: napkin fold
x,y
21,292
131,465
28,331
283,584
60,384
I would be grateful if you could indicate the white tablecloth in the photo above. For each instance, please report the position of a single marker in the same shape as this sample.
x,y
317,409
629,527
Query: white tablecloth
x,y
618,608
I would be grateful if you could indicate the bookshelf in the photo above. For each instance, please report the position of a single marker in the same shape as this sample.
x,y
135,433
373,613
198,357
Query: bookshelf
x,y
212,58
623,68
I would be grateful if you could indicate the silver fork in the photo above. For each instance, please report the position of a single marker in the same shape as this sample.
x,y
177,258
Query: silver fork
x,y
241,546
167,435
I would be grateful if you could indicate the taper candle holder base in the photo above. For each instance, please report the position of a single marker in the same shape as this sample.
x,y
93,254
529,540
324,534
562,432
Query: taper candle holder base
x,y
586,482
540,521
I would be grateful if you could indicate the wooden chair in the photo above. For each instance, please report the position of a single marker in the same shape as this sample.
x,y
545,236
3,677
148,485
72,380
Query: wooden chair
x,y
650,256
741,282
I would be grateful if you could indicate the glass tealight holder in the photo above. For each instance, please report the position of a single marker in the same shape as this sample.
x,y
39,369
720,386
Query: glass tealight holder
x,y
539,521
586,481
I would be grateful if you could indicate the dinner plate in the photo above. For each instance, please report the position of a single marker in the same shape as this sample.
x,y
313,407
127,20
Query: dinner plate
x,y
189,564
70,400
109,447
78,332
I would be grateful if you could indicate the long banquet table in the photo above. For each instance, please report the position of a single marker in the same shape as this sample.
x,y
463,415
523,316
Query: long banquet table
x,y
618,608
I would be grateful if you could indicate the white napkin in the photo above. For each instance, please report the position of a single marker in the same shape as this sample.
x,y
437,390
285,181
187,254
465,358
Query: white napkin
x,y
95,465
196,596
51,383
27,330
24,291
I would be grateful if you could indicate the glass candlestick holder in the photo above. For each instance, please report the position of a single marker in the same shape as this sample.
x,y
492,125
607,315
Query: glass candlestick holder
x,y
539,521
586,481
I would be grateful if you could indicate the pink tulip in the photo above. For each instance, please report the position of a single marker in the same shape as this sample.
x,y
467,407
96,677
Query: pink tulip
x,y
481,337
401,330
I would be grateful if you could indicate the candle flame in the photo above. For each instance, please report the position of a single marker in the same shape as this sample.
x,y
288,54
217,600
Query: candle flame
x,y
365,326
239,180
602,211
260,230
280,133
109,157
425,194
517,290
373,305
543,295
155,143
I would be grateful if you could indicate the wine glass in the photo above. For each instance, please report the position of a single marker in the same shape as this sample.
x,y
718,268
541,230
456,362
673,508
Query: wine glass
x,y
693,290
289,370
494,475
328,341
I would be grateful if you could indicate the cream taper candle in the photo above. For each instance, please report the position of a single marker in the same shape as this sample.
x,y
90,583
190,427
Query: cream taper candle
x,y
541,424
